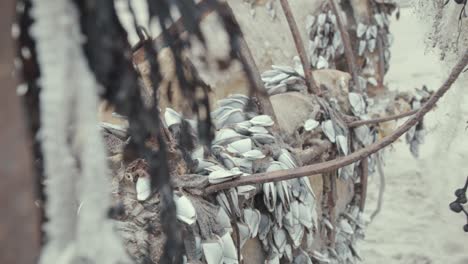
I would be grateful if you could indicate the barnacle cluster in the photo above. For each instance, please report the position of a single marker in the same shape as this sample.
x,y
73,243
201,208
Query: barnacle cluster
x,y
282,79
281,216
325,43
244,144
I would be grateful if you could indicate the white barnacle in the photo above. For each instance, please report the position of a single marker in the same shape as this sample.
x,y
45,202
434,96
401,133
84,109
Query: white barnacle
x,y
172,117
342,142
244,233
252,219
371,32
277,88
143,188
310,21
379,19
258,130
232,102
229,249
262,120
287,159
242,127
322,63
358,106
361,30
254,154
276,165
230,116
240,146
184,210
225,136
362,47
213,251
228,161
269,196
285,69
280,239
223,220
363,135
329,130
222,175
321,19
311,124
371,45
267,75
346,227
264,226
372,81
278,78
303,258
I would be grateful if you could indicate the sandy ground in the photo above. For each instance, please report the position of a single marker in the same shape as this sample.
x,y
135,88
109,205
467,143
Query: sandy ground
x,y
415,225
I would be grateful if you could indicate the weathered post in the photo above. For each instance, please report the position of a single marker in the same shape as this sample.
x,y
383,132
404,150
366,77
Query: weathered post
x,y
19,230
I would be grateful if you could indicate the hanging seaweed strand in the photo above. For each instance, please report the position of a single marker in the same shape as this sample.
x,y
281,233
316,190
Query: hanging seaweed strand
x,y
109,56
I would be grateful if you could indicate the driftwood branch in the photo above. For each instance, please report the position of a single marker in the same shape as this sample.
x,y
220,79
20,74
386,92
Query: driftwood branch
x,y
348,50
309,78
381,63
332,198
331,165
381,119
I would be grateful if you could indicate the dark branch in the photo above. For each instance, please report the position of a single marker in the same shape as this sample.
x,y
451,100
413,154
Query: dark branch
x,y
381,119
363,179
309,78
351,61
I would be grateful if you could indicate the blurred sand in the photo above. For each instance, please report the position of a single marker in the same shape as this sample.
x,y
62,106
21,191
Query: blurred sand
x,y
415,224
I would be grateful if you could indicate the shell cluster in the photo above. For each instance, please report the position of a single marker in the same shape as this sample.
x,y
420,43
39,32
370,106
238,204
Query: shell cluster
x,y
282,216
367,35
350,228
281,79
382,20
325,41
244,144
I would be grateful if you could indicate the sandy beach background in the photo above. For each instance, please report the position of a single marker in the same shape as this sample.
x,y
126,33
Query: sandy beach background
x,y
415,225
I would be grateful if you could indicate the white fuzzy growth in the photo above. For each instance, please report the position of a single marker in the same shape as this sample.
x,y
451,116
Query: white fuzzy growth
x,y
51,23
68,83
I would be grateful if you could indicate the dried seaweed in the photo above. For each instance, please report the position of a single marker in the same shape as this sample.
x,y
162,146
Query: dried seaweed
x,y
459,205
109,56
